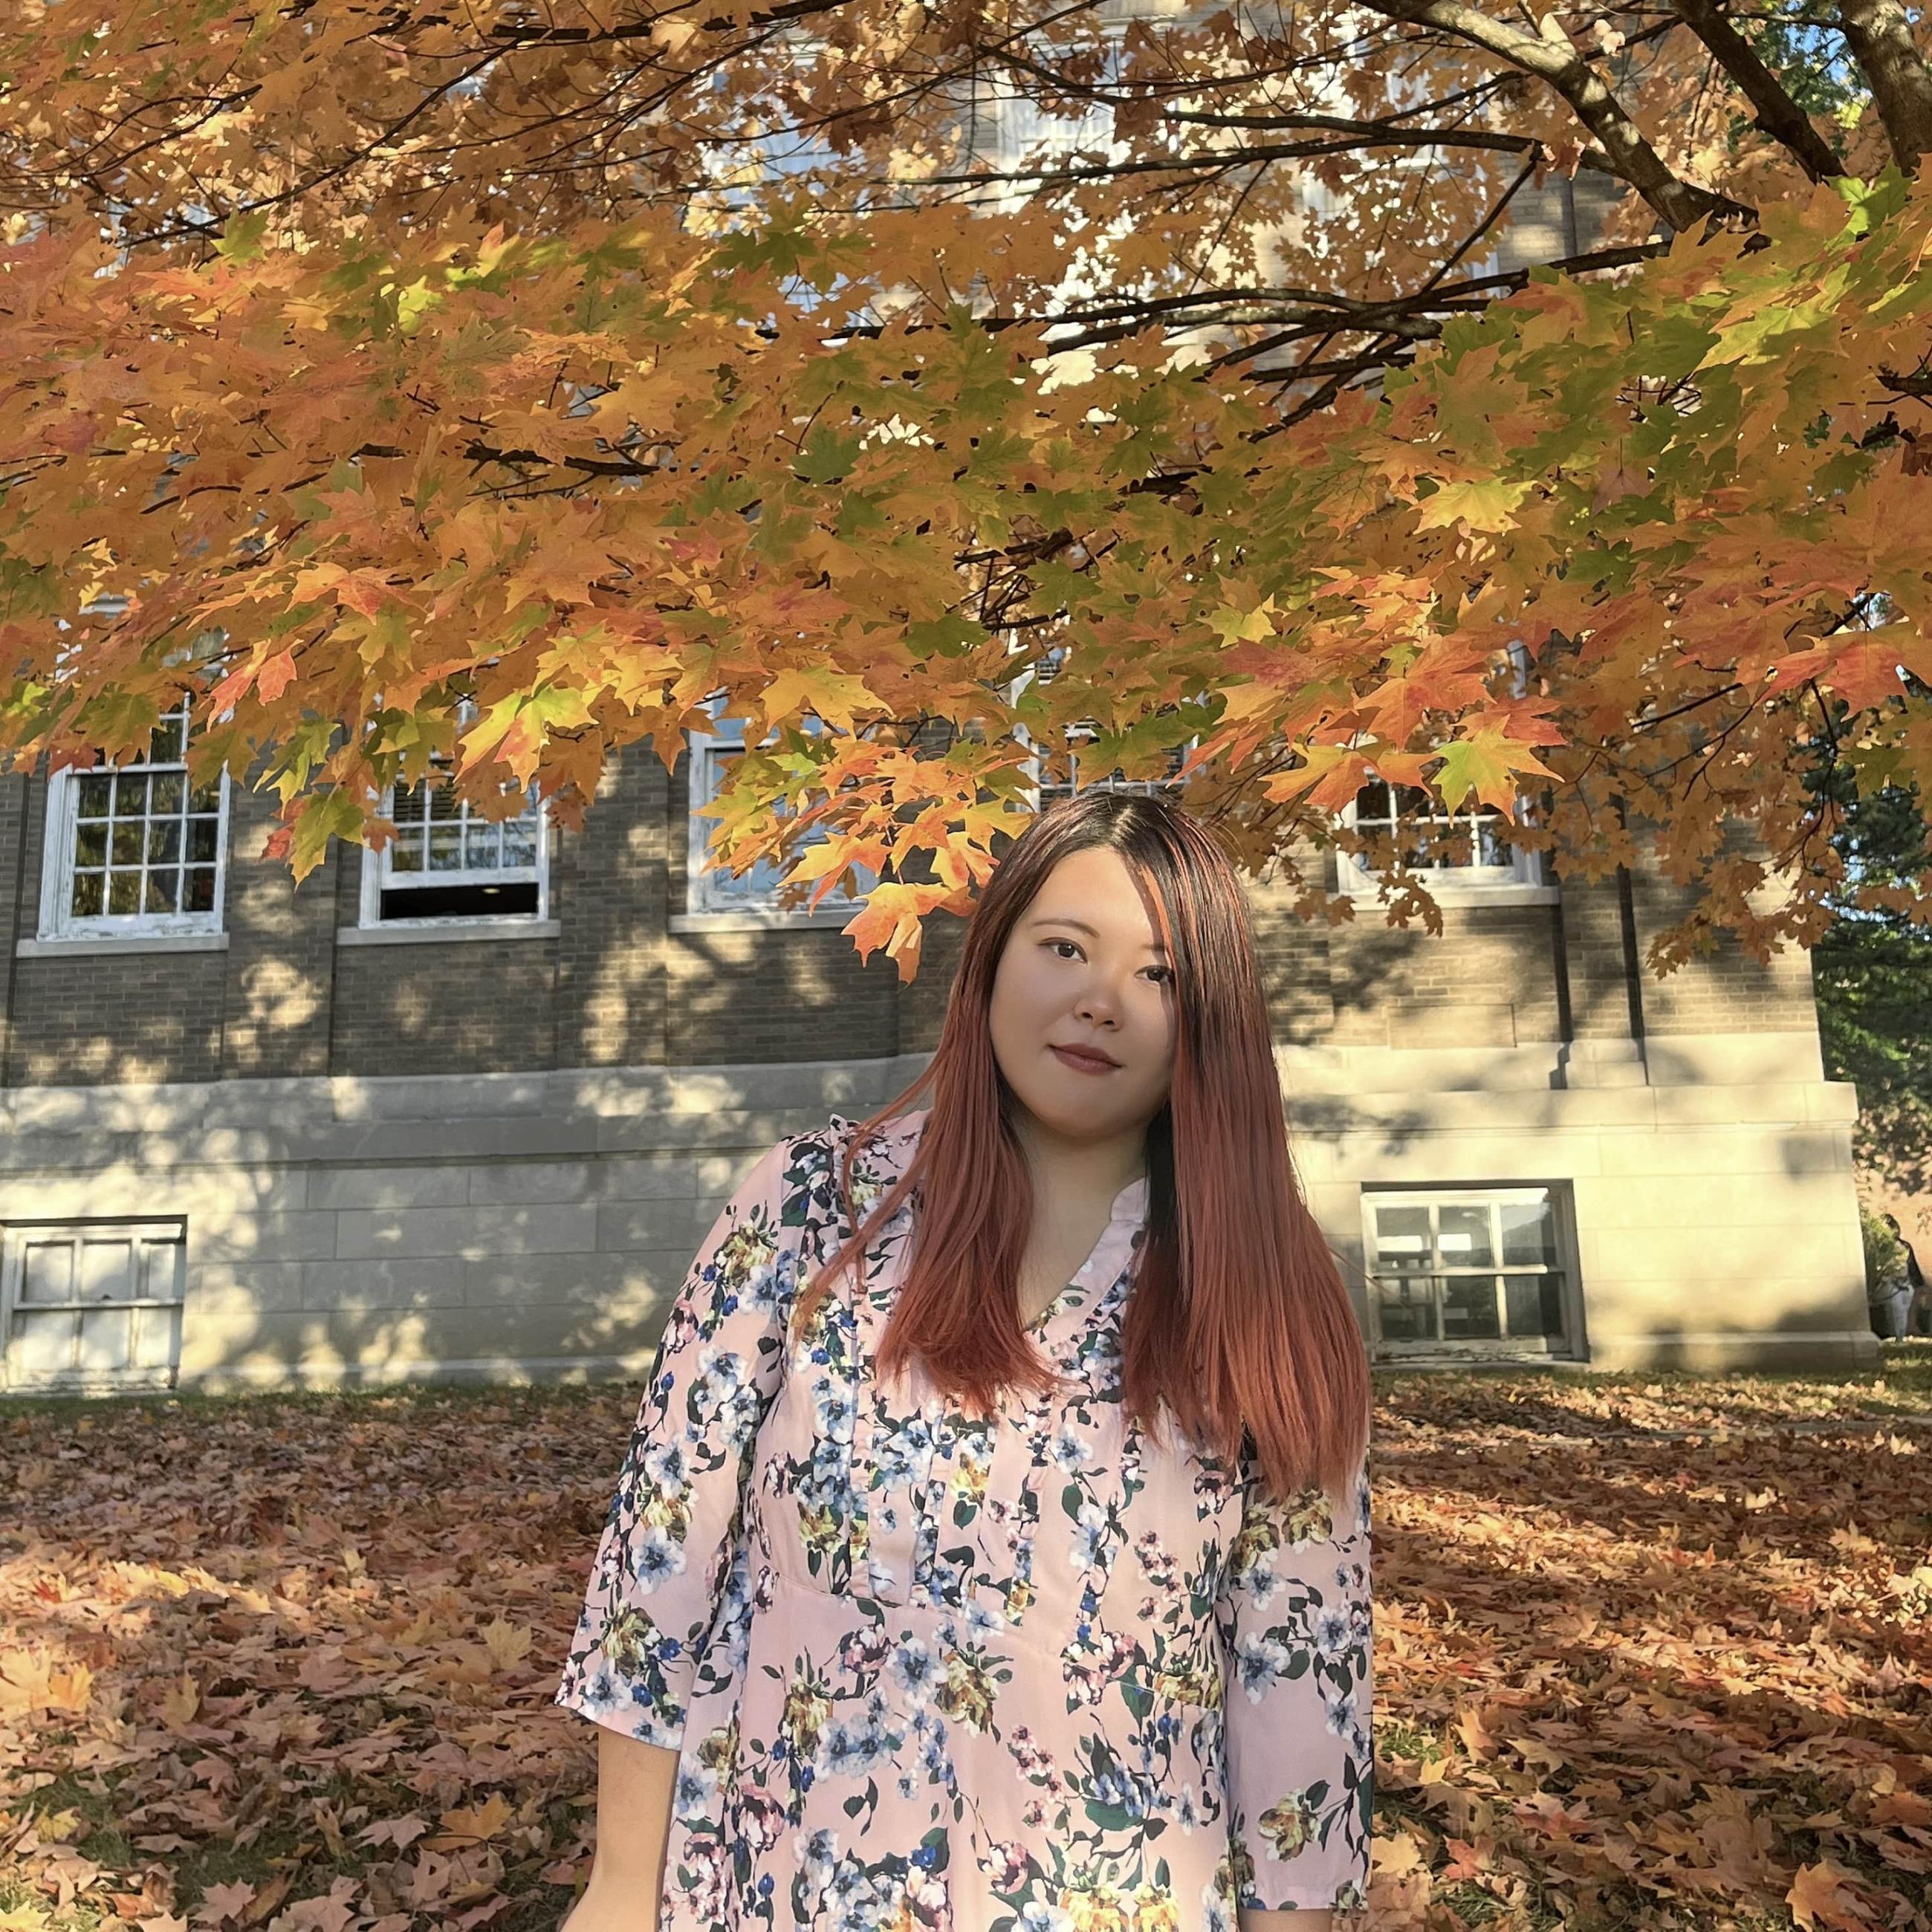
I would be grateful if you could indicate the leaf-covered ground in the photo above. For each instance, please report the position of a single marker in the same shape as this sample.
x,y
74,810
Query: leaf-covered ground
x,y
1651,1651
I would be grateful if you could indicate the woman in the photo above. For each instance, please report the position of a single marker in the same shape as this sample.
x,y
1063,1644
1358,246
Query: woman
x,y
1910,1308
1021,1584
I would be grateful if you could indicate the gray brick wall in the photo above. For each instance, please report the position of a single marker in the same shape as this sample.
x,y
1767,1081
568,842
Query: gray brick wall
x,y
83,1021
766,993
1723,991
278,988
1490,978
617,987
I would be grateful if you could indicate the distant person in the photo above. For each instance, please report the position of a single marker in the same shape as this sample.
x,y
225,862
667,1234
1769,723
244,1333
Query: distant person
x,y
1918,1318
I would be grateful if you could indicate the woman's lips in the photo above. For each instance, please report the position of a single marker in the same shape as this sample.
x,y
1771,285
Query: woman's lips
x,y
1083,1063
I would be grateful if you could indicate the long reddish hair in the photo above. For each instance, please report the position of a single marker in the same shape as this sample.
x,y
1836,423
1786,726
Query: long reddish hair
x,y
1238,1319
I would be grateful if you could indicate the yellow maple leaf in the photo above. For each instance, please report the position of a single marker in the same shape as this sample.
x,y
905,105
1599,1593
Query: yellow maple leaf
x,y
472,1824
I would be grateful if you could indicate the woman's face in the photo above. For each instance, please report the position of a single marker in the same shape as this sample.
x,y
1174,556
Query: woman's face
x,y
1083,968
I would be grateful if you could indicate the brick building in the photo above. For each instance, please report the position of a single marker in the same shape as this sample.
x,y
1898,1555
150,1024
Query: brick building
x,y
465,1109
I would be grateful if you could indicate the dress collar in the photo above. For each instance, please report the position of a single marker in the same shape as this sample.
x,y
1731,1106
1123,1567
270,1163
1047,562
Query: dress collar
x,y
1131,1203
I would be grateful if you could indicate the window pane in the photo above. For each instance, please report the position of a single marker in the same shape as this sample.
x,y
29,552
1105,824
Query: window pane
x,y
406,852
1373,804
164,892
90,845
205,798
443,802
164,842
164,742
1407,1307
1401,1236
445,848
1469,1308
165,794
200,889
47,1271
131,794
1535,1306
519,842
106,1270
481,839
96,794
1464,1239
1529,1233
1429,838
105,1334
161,1270
410,807
202,840
88,894
157,1337
124,891
127,842
42,1343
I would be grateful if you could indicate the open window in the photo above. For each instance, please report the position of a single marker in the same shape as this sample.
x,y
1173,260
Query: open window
x,y
448,865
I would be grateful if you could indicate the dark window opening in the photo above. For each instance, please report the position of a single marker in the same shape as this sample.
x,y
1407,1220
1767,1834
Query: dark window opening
x,y
514,898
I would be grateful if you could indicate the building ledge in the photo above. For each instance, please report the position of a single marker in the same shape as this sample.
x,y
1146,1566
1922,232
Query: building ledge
x,y
444,931
100,944
1517,893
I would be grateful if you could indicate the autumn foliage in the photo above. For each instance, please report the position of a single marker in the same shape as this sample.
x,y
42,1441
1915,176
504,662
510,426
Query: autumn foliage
x,y
362,364
1648,1654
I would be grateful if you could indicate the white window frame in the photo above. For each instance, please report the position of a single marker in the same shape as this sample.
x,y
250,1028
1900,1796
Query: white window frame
x,y
1521,882
145,1312
58,924
1567,1346
1043,672
379,875
705,906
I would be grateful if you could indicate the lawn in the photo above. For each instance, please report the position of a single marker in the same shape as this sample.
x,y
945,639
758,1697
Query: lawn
x,y
1651,1651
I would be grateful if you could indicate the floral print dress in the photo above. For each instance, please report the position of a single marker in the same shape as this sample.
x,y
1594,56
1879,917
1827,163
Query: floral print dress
x,y
1030,1673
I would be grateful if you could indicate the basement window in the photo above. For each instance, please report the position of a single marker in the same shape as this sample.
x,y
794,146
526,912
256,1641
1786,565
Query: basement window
x,y
91,1305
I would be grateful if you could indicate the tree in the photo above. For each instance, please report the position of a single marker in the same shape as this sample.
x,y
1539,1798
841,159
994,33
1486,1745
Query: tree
x,y
576,362
1873,973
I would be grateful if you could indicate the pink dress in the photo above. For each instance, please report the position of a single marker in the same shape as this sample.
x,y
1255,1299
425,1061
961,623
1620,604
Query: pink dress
x,y
1030,1673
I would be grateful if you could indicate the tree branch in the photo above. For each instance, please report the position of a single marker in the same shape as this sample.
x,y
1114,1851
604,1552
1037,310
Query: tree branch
x,y
1552,58
1778,115
1880,38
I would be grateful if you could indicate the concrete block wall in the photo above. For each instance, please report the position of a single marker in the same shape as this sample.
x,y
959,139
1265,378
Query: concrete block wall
x,y
510,1227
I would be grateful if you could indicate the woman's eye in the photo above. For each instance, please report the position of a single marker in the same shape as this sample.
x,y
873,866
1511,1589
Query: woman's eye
x,y
1166,972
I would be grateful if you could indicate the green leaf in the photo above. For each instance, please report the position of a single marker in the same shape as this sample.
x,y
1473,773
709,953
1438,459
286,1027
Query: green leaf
x,y
241,236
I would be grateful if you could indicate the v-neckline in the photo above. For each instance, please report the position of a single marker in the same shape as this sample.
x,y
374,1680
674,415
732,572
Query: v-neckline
x,y
1052,1308
1115,1243
1112,1249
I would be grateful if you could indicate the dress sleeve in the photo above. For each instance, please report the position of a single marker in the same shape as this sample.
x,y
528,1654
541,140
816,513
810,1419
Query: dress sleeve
x,y
665,1559
1296,1630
